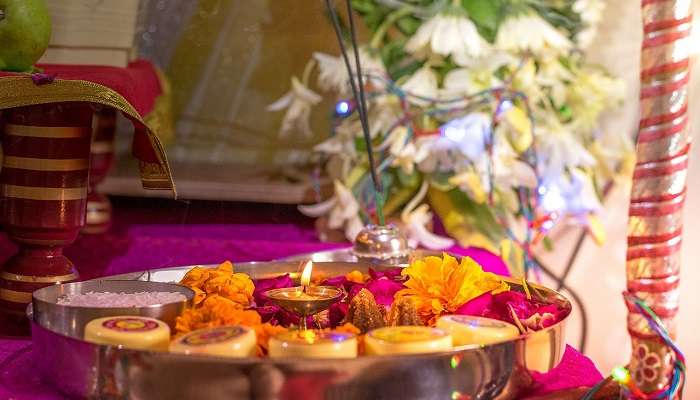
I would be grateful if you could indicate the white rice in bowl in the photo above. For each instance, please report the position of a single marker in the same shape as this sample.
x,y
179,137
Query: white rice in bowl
x,y
120,300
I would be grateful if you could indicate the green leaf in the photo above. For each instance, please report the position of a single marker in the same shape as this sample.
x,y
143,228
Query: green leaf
x,y
412,180
360,144
363,6
406,66
486,15
479,216
408,25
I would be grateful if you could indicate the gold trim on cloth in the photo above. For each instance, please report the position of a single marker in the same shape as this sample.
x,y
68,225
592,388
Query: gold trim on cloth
x,y
55,132
43,193
14,296
45,164
20,91
37,279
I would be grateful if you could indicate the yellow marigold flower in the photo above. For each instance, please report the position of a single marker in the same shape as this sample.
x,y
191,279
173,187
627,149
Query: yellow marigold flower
x,y
195,277
220,281
355,276
440,286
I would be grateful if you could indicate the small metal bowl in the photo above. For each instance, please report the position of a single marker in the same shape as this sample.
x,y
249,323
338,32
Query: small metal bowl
x,y
381,244
71,320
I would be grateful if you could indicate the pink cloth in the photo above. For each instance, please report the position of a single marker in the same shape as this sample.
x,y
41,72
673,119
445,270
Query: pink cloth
x,y
157,233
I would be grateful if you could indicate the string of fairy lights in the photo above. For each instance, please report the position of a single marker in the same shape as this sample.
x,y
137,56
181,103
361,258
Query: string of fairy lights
x,y
621,375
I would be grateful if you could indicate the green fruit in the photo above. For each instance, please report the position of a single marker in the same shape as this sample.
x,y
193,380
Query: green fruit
x,y
25,30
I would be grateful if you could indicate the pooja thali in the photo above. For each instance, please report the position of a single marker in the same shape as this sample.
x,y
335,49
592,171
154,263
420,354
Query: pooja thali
x,y
87,370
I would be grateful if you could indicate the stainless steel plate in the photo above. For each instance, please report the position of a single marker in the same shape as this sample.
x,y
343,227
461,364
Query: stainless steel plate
x,y
86,370
71,320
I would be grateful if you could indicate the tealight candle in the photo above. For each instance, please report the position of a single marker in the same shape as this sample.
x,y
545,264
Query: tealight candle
x,y
305,300
313,344
129,331
225,341
467,330
406,340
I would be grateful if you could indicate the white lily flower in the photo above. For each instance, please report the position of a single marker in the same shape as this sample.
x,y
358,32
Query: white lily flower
x,y
492,61
529,32
298,102
449,34
333,75
553,75
416,218
559,149
591,93
342,210
405,158
469,134
467,81
435,153
384,111
405,152
572,193
501,168
423,83
417,232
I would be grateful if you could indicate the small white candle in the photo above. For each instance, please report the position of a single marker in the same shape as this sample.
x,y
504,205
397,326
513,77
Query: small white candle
x,y
406,340
313,344
467,330
226,341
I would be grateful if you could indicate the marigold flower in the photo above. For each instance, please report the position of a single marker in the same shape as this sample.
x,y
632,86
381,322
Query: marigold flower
x,y
215,311
220,281
264,332
355,276
440,286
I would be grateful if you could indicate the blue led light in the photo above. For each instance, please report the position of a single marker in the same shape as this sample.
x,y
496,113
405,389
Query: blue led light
x,y
342,108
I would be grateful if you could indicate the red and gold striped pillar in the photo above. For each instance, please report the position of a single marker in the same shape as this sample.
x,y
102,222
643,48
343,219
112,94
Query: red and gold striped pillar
x,y
99,209
44,182
658,189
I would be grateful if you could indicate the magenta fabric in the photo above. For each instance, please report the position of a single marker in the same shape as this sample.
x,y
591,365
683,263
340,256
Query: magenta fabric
x,y
159,233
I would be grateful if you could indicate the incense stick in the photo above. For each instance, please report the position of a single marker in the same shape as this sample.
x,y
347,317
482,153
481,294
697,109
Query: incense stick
x,y
359,95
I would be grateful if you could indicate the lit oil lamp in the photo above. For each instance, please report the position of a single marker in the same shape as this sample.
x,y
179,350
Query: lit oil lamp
x,y
305,300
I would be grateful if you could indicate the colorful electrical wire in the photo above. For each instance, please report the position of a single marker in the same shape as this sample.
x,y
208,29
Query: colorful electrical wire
x,y
622,376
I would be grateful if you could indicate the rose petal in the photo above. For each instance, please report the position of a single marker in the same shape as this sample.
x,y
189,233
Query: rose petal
x,y
263,285
337,313
477,306
390,273
384,290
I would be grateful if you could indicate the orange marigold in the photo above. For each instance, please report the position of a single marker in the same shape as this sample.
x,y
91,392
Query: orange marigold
x,y
440,286
355,276
221,281
265,332
215,311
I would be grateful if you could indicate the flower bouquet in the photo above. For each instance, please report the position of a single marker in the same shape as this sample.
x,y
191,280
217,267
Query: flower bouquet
x,y
485,113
